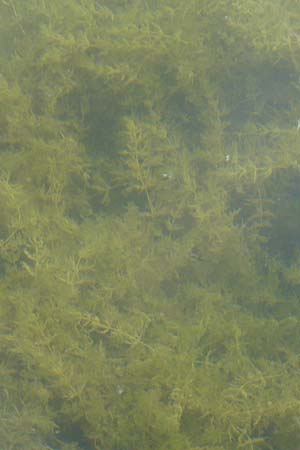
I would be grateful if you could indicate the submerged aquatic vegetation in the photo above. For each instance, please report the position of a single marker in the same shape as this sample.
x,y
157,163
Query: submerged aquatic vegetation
x,y
149,260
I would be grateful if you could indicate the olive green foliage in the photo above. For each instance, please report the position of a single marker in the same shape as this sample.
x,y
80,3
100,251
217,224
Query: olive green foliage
x,y
149,225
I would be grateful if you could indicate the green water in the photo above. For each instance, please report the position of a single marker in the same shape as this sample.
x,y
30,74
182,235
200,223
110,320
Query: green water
x,y
149,225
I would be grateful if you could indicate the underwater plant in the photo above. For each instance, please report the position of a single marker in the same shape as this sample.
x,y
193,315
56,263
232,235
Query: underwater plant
x,y
149,260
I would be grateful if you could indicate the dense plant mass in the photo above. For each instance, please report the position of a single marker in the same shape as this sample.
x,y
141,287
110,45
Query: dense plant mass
x,y
149,224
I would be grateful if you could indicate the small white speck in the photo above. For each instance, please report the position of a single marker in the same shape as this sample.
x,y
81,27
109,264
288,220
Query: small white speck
x,y
166,176
120,389
227,158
